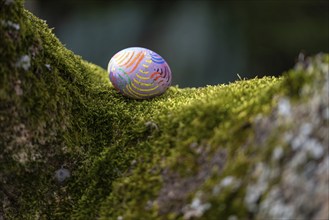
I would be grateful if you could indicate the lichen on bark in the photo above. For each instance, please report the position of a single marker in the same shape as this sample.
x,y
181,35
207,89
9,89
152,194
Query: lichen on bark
x,y
71,147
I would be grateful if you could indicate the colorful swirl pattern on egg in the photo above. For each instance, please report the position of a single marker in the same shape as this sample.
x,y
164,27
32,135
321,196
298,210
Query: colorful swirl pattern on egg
x,y
139,73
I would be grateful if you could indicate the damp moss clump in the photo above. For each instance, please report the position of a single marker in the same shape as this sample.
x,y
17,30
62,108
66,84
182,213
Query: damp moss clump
x,y
71,147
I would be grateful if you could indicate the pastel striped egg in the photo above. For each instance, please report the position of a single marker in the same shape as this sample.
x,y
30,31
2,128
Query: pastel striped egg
x,y
139,73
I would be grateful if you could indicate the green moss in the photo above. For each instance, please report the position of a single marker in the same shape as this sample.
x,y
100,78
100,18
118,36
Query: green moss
x,y
125,156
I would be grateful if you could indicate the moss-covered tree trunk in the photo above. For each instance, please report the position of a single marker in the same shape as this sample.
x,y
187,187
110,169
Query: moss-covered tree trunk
x,y
71,147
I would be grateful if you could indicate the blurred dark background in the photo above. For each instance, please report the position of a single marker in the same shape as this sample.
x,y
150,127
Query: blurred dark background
x,y
204,42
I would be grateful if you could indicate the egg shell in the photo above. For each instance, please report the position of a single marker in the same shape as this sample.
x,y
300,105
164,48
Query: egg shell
x,y
139,73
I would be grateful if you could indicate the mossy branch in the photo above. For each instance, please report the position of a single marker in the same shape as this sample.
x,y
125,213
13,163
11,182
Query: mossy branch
x,y
71,147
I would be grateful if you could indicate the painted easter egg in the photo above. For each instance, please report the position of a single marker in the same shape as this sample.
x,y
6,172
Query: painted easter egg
x,y
139,73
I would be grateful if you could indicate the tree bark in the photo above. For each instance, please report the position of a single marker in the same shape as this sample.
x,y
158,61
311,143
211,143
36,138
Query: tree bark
x,y
71,147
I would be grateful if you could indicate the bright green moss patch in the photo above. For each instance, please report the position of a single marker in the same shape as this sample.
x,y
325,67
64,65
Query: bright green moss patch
x,y
190,153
